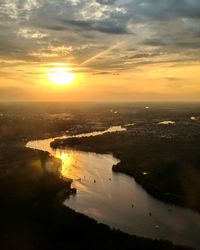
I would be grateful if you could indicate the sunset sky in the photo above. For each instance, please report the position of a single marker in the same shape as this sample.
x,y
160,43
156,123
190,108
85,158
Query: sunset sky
x,y
99,50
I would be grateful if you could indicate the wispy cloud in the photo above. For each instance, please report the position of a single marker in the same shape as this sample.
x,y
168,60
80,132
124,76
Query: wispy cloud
x,y
29,28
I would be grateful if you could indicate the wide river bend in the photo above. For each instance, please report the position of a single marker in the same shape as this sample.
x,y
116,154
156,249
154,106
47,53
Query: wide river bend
x,y
116,199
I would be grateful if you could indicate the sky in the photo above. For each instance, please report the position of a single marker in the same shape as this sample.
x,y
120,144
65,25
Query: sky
x,y
100,50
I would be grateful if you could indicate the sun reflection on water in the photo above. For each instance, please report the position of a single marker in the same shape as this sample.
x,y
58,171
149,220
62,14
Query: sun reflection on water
x,y
68,169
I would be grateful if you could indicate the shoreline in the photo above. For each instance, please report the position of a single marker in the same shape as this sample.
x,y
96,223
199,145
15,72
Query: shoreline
x,y
87,144
137,241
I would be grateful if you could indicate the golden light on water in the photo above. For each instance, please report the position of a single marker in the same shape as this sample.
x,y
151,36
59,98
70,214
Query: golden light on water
x,y
68,164
61,76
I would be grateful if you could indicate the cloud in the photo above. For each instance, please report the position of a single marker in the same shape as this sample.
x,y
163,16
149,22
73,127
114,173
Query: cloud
x,y
154,42
103,73
32,30
170,78
105,26
167,9
106,2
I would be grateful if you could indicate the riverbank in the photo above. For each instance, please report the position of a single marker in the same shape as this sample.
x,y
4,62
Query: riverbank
x,y
167,168
33,217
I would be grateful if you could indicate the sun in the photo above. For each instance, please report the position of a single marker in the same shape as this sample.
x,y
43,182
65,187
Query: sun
x,y
61,76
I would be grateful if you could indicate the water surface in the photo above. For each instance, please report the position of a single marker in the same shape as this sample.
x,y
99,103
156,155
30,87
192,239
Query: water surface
x,y
117,200
166,123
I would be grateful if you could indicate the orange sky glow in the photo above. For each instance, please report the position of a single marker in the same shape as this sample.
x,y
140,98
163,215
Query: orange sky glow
x,y
104,50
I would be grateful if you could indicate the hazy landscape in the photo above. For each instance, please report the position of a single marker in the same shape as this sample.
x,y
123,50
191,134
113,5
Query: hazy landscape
x,y
162,158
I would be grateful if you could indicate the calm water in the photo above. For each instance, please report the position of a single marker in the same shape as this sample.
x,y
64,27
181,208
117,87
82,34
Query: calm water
x,y
117,200
166,123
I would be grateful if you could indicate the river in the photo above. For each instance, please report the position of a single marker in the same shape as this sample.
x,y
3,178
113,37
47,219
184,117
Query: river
x,y
116,199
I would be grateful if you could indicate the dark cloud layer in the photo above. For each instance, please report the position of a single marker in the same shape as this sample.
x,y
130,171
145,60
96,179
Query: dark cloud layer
x,y
103,26
74,30
106,1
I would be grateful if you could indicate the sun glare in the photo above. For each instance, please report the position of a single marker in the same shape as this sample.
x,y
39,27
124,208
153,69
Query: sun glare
x,y
68,162
61,76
